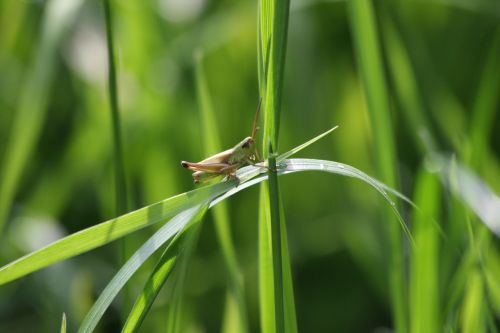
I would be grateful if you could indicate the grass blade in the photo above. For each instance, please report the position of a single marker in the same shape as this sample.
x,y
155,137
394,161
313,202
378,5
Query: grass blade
x,y
211,145
29,116
364,31
120,183
63,323
305,144
119,165
276,245
424,279
108,231
273,270
174,314
473,305
155,282
170,229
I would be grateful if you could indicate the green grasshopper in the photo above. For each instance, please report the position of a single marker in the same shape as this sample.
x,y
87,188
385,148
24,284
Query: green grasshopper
x,y
227,162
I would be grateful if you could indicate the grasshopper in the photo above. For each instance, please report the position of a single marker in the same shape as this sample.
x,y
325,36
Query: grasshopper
x,y
227,162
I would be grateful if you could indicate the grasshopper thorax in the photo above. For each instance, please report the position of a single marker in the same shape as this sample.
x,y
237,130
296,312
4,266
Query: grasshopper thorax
x,y
242,151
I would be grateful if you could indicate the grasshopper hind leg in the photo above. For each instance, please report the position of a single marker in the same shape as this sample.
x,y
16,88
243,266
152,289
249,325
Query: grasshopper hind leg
x,y
200,177
232,176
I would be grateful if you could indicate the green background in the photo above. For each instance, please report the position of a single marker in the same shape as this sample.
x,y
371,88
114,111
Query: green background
x,y
441,60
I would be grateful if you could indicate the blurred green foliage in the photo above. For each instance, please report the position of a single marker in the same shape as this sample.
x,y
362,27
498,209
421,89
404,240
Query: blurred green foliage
x,y
441,63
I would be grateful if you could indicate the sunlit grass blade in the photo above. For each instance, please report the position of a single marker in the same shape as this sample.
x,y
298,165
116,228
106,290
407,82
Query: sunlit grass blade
x,y
305,144
300,164
174,314
472,312
492,271
165,233
120,183
211,145
273,31
63,323
425,294
293,165
155,282
119,165
108,231
278,237
30,113
371,68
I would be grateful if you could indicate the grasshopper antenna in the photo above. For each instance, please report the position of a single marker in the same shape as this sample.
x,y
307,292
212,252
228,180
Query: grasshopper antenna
x,y
256,119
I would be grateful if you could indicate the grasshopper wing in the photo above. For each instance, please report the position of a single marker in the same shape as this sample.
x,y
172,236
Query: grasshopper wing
x,y
221,157
206,167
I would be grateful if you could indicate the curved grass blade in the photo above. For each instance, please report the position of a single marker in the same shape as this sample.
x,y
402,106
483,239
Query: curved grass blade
x,y
302,164
152,287
170,229
93,237
108,231
180,221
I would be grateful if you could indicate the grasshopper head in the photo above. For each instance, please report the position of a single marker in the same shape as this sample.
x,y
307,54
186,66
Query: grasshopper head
x,y
248,144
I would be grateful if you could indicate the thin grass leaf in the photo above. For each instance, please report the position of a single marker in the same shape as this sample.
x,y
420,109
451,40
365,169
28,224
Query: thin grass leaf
x,y
30,114
108,231
165,233
120,183
63,323
371,67
273,23
277,234
492,271
118,161
472,314
293,165
305,144
299,164
174,314
155,282
211,145
425,295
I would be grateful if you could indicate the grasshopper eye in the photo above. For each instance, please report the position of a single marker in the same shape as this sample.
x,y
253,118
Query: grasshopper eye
x,y
247,143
